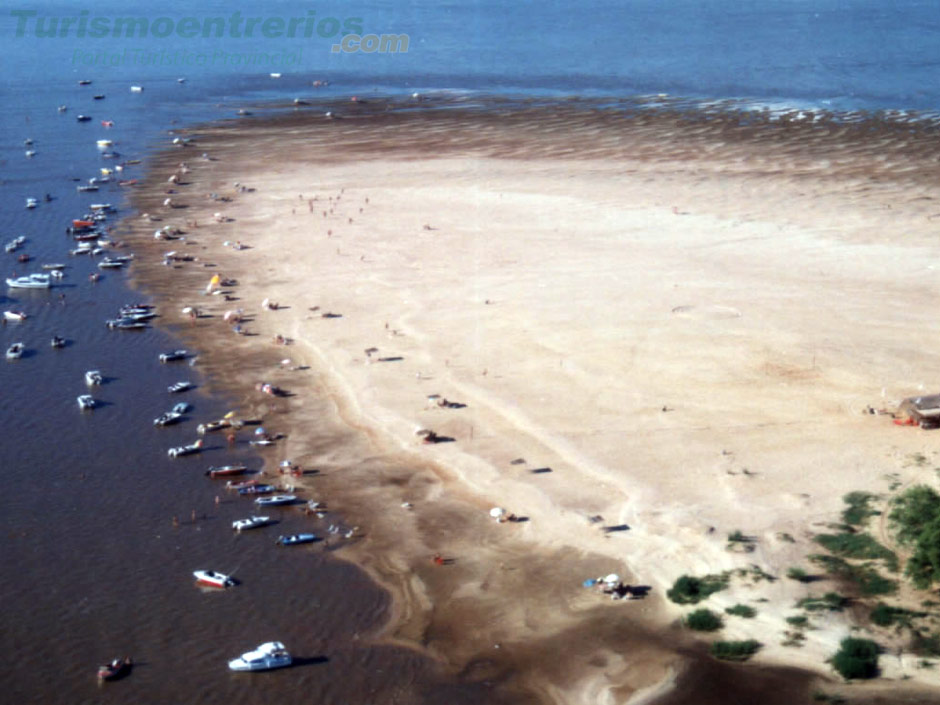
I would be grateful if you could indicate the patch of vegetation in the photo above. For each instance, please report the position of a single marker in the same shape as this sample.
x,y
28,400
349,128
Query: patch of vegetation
x,y
755,573
859,508
924,663
734,650
784,536
886,615
799,574
861,546
822,697
916,521
794,638
868,579
925,643
704,620
831,601
798,620
688,590
856,658
742,611
918,459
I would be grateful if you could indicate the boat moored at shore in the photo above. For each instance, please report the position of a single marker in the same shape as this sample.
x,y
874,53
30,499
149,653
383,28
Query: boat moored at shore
x,y
267,656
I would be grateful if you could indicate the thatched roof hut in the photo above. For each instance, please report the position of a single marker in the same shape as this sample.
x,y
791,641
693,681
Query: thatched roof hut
x,y
923,410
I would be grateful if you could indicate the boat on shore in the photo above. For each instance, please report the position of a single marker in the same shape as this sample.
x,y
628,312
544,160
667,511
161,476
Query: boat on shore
x,y
211,578
204,428
295,539
173,356
256,489
36,280
167,419
86,401
15,351
267,656
227,470
276,500
116,669
252,522
180,451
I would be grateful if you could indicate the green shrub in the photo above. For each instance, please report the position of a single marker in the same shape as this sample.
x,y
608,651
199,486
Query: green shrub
x,y
734,650
858,510
856,658
703,620
862,546
742,611
885,615
832,601
688,590
797,573
798,620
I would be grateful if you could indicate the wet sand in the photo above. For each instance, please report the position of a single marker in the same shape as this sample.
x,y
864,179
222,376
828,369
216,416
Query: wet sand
x,y
653,328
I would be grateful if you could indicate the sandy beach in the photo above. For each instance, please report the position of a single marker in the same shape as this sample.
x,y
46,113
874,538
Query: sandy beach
x,y
636,334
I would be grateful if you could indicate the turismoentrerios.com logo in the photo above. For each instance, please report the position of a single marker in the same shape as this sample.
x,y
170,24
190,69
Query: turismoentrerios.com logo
x,y
348,31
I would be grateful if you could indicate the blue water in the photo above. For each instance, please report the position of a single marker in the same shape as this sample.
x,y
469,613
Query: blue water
x,y
72,478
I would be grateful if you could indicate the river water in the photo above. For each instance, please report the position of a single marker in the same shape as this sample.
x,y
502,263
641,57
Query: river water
x,y
93,565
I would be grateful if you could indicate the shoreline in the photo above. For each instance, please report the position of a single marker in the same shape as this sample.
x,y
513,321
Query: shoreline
x,y
448,484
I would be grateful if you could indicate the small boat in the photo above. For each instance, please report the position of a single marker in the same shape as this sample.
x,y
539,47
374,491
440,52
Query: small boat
x,y
267,656
125,324
53,266
107,123
83,224
93,378
111,263
83,118
167,419
227,470
295,539
15,316
137,89
211,578
31,203
30,281
240,485
181,408
15,351
30,152
63,108
256,489
262,442
84,82
24,258
57,274
204,428
99,96
118,668
276,500
179,387
57,342
252,522
180,451
85,401
173,356
90,188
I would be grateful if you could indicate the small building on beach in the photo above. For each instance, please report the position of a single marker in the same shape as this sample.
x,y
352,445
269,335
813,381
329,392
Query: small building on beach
x,y
923,411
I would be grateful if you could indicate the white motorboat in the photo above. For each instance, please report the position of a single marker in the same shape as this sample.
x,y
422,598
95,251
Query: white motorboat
x,y
57,342
167,419
126,324
30,281
252,522
137,89
15,316
180,451
275,500
211,578
267,656
30,152
179,387
15,351
295,539
103,144
93,378
173,356
111,263
53,266
83,118
85,401
90,188
31,203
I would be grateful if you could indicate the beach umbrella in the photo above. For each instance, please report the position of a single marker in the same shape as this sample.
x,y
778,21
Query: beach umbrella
x,y
497,512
